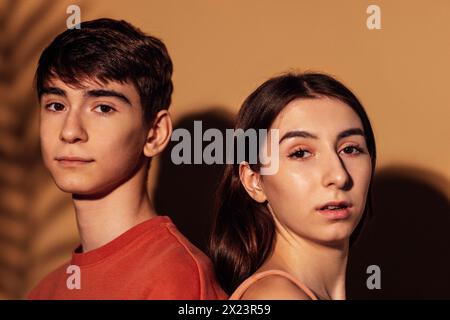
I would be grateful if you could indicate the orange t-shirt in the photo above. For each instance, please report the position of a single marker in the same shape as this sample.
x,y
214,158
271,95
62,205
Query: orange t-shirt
x,y
152,260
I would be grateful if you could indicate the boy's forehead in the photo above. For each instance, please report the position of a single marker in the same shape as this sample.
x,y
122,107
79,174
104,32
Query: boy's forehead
x,y
87,83
93,88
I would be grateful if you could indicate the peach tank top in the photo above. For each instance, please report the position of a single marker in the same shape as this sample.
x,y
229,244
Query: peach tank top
x,y
239,292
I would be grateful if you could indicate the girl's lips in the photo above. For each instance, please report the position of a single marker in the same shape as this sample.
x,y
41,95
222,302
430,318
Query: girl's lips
x,y
336,204
338,214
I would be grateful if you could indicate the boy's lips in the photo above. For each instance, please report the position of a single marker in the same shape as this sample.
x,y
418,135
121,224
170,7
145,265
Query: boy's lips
x,y
69,161
73,158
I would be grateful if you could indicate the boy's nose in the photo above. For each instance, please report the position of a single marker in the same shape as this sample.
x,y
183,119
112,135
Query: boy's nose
x,y
73,130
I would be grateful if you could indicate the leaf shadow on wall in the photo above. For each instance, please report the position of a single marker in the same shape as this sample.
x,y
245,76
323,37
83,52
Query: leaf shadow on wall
x,y
26,28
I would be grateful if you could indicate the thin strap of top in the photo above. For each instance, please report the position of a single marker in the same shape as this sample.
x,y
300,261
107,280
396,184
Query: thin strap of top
x,y
239,292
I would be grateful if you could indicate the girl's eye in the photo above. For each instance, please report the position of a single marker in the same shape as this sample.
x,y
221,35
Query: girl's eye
x,y
352,150
299,154
54,106
103,108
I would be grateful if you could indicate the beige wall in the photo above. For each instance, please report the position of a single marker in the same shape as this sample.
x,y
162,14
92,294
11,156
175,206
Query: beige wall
x,y
221,51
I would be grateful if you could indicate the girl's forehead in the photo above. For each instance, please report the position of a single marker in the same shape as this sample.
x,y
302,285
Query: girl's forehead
x,y
315,115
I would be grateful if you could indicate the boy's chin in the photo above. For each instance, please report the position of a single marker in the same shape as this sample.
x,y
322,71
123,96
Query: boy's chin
x,y
86,189
77,187
71,188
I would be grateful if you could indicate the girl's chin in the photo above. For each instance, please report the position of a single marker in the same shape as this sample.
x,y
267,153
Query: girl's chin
x,y
336,240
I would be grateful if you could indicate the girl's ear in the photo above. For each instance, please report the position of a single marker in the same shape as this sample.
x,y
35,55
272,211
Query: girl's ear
x,y
159,134
252,182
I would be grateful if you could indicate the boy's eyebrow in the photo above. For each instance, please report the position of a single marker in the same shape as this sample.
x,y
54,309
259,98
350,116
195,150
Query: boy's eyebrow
x,y
108,93
306,134
53,90
91,93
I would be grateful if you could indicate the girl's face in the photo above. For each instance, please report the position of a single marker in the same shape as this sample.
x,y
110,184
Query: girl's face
x,y
323,158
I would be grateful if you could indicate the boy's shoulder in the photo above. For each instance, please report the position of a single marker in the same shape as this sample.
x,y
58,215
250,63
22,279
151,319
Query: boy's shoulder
x,y
182,245
179,261
169,247
160,263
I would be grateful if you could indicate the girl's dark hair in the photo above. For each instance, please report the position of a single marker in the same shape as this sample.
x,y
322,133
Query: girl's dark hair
x,y
110,50
244,229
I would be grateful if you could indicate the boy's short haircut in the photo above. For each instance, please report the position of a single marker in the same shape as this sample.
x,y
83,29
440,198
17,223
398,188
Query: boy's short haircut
x,y
111,50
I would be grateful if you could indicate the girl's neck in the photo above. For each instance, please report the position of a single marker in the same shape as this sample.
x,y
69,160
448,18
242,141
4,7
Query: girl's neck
x,y
321,267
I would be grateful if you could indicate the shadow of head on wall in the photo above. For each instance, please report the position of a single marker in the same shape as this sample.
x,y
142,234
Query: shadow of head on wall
x,y
186,192
408,238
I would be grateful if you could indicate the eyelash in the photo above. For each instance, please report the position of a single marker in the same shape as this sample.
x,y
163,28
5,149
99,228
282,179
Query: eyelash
x,y
48,105
357,148
104,114
294,154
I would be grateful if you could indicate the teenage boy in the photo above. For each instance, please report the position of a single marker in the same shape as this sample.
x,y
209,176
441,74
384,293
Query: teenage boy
x,y
104,91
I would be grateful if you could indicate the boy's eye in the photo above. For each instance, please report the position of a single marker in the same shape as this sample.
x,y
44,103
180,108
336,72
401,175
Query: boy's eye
x,y
352,150
54,106
103,108
299,154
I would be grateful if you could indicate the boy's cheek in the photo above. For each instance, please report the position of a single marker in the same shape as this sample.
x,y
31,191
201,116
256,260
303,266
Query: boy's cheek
x,y
48,154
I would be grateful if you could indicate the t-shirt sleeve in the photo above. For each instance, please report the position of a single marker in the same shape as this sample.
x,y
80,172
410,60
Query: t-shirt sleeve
x,y
193,271
178,280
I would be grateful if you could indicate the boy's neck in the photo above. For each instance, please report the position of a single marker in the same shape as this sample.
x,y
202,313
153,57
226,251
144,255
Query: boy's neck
x,y
102,219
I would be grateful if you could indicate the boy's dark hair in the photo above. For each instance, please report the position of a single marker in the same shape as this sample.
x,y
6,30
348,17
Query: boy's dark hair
x,y
111,50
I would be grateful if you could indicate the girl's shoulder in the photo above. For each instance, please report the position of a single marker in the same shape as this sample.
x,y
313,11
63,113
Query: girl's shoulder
x,y
272,285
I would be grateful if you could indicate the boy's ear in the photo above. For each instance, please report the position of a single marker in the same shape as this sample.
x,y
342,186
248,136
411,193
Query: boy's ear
x,y
252,182
159,134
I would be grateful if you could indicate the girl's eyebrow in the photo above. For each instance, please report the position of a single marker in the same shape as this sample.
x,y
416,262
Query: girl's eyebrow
x,y
309,135
351,132
298,134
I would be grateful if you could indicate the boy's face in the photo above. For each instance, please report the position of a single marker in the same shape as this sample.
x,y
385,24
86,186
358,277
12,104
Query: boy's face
x,y
101,124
